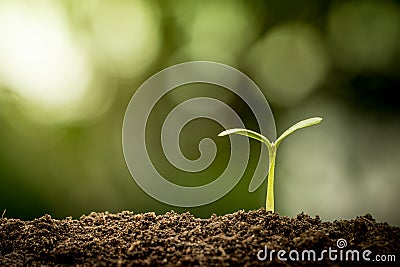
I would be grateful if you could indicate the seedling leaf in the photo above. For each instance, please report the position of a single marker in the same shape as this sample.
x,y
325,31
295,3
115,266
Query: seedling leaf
x,y
248,133
297,126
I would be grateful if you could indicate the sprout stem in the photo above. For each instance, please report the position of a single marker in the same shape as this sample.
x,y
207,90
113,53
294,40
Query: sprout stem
x,y
271,176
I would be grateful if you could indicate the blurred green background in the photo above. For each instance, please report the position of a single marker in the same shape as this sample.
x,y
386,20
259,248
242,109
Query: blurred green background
x,y
69,68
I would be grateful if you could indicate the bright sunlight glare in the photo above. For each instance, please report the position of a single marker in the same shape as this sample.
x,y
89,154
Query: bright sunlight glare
x,y
38,58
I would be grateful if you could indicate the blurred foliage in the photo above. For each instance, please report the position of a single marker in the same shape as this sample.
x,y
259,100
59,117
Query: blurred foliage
x,y
69,68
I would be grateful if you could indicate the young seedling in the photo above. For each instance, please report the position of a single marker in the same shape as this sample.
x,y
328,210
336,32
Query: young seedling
x,y
272,147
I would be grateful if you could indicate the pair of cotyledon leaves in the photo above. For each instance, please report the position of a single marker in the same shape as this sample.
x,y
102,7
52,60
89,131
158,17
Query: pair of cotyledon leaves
x,y
272,145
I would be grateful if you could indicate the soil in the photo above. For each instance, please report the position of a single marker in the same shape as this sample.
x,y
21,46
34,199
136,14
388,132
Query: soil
x,y
173,239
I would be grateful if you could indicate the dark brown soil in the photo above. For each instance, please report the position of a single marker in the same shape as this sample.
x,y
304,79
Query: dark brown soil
x,y
181,240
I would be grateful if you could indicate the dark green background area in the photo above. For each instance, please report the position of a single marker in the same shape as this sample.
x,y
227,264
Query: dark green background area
x,y
334,59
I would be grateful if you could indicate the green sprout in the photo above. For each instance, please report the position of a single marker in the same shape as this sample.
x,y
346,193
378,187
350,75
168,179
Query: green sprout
x,y
272,147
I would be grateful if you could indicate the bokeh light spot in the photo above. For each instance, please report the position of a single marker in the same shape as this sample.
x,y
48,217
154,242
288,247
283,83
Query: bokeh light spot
x,y
38,58
290,62
216,31
364,34
126,36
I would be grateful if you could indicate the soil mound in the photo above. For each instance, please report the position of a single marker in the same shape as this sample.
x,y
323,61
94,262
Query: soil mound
x,y
171,239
